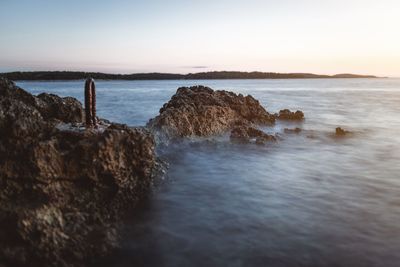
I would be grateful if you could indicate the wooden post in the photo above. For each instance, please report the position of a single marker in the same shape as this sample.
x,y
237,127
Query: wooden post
x,y
90,103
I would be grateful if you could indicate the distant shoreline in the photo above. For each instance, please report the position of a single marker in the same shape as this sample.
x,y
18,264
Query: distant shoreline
x,y
215,75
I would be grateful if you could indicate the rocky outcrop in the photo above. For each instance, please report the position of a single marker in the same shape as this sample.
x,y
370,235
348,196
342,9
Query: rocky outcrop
x,y
62,187
201,111
49,107
66,109
286,114
248,134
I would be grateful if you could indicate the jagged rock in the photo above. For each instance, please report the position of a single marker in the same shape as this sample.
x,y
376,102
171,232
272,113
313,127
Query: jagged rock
x,y
341,132
201,111
49,106
245,134
62,188
286,114
66,109
290,131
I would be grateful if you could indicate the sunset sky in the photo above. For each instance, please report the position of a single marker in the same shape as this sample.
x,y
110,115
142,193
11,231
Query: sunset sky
x,y
181,36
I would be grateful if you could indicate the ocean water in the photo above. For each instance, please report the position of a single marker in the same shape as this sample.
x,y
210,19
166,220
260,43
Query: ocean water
x,y
308,200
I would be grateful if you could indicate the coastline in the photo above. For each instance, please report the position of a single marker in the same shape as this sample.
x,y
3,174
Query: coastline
x,y
303,142
77,180
215,75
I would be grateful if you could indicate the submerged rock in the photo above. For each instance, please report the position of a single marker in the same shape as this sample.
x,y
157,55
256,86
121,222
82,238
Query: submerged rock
x,y
247,133
62,187
201,111
296,130
286,114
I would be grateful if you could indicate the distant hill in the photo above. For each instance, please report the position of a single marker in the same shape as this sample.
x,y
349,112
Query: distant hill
x,y
75,75
348,75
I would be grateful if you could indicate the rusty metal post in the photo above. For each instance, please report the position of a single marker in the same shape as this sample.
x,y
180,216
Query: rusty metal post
x,y
90,103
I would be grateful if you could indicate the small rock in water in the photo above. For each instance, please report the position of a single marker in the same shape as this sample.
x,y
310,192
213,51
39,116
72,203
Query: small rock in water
x,y
341,132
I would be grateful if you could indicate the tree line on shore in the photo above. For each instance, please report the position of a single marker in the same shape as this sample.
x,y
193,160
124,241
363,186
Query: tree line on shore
x,y
77,75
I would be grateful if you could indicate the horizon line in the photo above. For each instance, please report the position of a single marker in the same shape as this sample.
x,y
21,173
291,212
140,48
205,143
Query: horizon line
x,y
188,73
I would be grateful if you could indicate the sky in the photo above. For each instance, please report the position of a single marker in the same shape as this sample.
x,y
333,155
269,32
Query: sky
x,y
183,36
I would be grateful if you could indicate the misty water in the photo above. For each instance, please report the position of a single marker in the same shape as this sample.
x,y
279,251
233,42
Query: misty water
x,y
308,200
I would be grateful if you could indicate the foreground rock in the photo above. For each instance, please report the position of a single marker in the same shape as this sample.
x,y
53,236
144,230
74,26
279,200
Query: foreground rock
x,y
201,111
62,187
286,114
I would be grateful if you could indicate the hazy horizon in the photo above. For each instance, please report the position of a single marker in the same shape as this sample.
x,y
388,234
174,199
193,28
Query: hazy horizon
x,y
195,72
122,36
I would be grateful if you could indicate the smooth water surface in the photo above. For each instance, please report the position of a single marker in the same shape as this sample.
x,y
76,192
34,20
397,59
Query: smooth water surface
x,y
307,200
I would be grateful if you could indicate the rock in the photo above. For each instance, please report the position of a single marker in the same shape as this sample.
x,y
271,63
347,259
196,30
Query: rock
x,y
201,111
66,109
245,134
286,114
63,188
341,132
49,106
296,130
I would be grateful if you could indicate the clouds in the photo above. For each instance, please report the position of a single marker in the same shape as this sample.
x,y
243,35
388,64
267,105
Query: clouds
x,y
195,67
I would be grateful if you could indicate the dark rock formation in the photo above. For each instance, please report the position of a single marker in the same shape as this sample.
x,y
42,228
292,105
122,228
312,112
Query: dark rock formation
x,y
290,131
63,187
286,114
201,111
341,132
245,134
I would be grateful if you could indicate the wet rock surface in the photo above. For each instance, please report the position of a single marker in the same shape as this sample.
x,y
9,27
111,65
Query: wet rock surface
x,y
286,114
62,188
201,111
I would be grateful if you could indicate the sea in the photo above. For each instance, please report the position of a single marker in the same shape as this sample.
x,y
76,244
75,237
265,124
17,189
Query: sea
x,y
310,199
